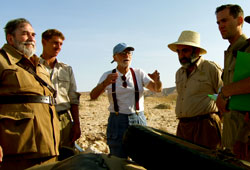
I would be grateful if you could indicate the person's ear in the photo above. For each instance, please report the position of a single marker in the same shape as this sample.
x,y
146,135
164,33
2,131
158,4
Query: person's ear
x,y
197,51
114,57
240,20
10,39
43,41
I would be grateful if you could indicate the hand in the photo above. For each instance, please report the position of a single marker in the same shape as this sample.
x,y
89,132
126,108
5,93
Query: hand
x,y
1,154
156,84
75,132
221,104
111,78
155,76
240,149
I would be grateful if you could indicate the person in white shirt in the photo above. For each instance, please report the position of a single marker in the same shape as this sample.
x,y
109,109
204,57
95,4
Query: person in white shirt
x,y
125,86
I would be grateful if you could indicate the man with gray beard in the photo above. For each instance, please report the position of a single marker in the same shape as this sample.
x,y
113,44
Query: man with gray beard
x,y
197,77
29,126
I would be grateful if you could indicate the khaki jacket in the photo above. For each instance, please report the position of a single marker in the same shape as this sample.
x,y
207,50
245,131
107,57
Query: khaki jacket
x,y
193,90
234,127
30,130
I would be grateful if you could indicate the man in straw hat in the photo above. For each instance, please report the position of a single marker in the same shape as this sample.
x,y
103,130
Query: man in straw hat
x,y
197,113
236,124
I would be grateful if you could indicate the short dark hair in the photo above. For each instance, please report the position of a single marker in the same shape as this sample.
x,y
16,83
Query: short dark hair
x,y
234,10
12,25
48,34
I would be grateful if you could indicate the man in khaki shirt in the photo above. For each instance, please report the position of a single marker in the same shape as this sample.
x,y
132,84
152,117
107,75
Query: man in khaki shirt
x,y
29,125
198,121
236,124
62,77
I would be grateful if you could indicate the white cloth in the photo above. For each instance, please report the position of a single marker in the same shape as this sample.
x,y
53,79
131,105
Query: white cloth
x,y
126,96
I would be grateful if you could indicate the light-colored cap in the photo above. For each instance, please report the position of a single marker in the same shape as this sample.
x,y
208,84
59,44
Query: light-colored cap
x,y
189,38
121,47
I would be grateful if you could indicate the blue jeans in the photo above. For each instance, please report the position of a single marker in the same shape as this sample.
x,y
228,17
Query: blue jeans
x,y
117,125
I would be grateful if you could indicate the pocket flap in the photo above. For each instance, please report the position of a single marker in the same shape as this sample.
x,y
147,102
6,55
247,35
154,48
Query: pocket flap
x,y
16,115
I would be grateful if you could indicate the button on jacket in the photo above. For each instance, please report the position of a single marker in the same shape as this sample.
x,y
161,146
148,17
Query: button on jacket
x,y
193,91
62,77
30,130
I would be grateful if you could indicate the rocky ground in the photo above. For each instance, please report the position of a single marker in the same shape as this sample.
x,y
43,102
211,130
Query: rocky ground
x,y
159,111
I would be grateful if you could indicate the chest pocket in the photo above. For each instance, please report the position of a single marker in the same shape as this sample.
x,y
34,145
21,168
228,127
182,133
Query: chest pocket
x,y
17,77
201,83
63,81
19,128
180,85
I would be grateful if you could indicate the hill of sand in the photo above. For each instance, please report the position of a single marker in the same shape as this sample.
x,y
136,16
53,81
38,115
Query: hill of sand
x,y
158,107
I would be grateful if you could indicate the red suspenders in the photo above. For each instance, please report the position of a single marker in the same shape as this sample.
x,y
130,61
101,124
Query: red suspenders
x,y
116,107
136,91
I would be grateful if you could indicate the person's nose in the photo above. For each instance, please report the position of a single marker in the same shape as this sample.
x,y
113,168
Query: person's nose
x,y
58,46
31,37
180,54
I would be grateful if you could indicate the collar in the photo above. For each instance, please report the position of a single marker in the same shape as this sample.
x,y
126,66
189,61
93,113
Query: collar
x,y
238,44
199,62
13,55
45,63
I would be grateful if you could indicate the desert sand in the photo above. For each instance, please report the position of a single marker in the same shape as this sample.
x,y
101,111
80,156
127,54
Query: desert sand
x,y
159,111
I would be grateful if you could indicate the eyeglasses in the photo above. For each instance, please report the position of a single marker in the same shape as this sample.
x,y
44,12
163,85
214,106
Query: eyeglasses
x,y
124,84
126,53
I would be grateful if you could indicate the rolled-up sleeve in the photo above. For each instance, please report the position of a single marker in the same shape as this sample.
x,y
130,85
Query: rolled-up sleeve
x,y
74,96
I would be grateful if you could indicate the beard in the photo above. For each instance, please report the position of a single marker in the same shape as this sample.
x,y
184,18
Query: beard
x,y
187,62
125,64
21,46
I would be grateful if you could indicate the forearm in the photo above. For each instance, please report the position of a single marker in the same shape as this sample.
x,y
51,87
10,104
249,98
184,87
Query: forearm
x,y
75,113
155,86
236,88
158,86
76,129
97,91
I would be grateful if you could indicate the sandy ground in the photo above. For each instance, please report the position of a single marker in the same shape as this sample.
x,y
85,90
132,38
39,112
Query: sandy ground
x,y
159,112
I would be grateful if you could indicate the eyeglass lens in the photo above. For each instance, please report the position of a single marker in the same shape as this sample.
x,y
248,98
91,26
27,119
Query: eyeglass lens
x,y
126,52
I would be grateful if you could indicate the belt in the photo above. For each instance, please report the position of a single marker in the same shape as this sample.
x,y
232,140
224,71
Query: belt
x,y
19,99
195,118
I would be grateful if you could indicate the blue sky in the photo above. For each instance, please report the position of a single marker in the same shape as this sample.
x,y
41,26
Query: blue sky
x,y
93,28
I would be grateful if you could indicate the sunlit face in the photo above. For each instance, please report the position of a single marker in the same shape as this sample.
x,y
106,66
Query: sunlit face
x,y
124,58
24,39
227,24
53,46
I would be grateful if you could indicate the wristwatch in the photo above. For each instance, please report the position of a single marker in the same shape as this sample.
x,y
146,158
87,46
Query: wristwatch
x,y
222,95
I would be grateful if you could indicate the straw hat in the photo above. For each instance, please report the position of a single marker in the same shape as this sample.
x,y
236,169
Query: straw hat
x,y
189,38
